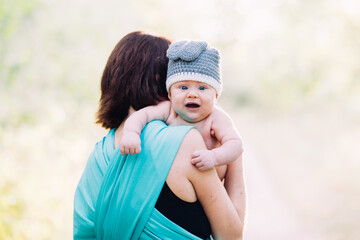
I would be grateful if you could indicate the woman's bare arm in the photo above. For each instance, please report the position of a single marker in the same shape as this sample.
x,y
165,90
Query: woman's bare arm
x,y
235,187
224,219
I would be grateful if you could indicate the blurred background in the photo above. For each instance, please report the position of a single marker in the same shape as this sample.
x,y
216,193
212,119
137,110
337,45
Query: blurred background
x,y
291,84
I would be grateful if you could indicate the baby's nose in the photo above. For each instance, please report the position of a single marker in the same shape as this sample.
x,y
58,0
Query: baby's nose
x,y
192,94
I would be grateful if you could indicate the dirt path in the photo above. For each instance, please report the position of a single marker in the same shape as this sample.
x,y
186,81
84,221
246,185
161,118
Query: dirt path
x,y
268,216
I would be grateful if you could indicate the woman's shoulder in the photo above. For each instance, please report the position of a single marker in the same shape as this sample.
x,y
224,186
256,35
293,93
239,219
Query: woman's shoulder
x,y
192,142
107,143
183,172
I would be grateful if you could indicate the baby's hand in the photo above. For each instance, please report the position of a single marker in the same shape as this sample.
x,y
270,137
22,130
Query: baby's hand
x,y
130,143
203,159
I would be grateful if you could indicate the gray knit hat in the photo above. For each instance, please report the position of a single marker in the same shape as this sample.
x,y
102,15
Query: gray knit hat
x,y
193,60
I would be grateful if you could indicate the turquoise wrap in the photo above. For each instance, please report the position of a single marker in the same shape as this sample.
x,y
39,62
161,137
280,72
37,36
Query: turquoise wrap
x,y
116,195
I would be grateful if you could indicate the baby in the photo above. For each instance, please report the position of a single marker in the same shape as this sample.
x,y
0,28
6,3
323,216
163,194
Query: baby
x,y
193,84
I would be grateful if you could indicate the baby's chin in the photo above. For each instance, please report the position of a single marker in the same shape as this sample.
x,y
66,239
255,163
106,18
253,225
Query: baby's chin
x,y
191,120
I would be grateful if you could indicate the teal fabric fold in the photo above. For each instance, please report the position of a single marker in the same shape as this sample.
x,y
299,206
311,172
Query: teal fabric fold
x,y
116,195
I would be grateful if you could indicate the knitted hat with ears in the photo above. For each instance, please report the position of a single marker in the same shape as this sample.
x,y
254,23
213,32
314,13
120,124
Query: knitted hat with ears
x,y
193,60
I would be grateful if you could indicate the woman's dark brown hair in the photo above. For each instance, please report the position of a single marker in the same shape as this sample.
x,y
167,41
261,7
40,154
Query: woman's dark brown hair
x,y
134,75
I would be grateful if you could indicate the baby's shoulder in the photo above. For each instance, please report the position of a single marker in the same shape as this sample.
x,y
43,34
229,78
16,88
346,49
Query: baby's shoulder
x,y
218,112
220,119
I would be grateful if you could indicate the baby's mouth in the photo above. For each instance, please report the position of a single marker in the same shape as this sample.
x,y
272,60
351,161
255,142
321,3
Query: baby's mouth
x,y
192,105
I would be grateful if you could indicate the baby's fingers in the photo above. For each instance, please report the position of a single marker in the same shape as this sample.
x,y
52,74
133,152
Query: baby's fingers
x,y
195,154
134,150
195,160
137,150
122,150
204,168
201,166
131,151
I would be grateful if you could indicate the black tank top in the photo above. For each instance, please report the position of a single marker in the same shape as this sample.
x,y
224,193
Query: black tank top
x,y
190,216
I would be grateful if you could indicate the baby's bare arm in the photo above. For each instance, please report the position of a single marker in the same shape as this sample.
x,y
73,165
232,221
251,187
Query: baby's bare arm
x,y
137,121
130,142
231,144
224,131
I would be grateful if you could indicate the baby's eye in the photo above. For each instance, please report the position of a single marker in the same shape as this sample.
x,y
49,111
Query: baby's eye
x,y
202,88
184,88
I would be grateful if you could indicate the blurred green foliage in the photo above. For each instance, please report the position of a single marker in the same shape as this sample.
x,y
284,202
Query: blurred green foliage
x,y
13,14
11,208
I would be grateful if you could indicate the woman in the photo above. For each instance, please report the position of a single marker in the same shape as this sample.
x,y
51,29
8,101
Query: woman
x,y
126,197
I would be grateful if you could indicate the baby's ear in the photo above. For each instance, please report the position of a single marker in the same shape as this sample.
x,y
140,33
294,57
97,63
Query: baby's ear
x,y
169,95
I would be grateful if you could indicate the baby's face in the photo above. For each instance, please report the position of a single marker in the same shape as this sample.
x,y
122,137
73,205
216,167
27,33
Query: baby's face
x,y
191,100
